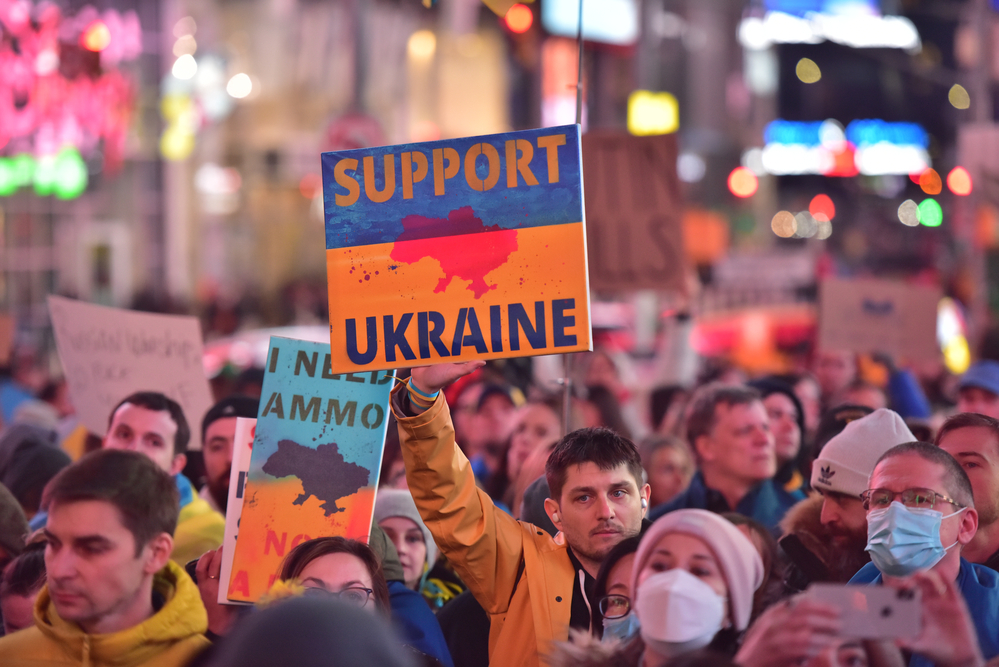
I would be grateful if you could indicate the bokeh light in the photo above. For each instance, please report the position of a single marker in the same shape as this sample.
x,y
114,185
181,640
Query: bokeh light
x,y
825,229
519,18
185,26
930,183
96,37
651,113
930,213
742,182
783,224
239,86
959,181
185,45
822,205
421,45
808,71
959,97
185,67
908,213
805,225
70,178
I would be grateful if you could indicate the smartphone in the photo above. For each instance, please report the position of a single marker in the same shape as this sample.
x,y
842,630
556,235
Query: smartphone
x,y
872,612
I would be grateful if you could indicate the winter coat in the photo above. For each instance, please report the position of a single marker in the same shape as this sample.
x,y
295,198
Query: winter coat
x,y
811,554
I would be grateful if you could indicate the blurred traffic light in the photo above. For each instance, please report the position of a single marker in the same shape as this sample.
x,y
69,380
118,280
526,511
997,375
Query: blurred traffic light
x,y
742,182
519,19
959,181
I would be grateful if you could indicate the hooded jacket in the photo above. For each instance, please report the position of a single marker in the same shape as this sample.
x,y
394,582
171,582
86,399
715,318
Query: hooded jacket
x,y
169,638
812,556
199,528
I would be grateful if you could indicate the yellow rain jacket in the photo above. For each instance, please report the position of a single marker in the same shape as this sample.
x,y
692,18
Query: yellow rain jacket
x,y
520,575
169,638
199,529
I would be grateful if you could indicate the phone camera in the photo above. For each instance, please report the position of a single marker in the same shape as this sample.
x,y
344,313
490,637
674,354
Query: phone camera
x,y
906,594
886,612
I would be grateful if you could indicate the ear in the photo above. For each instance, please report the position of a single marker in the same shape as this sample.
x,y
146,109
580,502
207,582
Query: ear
x,y
178,464
703,448
968,527
646,494
156,553
552,509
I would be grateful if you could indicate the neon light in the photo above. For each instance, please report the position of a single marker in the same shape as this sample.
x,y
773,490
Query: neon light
x,y
857,31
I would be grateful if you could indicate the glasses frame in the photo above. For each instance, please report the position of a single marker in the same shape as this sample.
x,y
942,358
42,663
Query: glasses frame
x,y
602,603
930,493
337,594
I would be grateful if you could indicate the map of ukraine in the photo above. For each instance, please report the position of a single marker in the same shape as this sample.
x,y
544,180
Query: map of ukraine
x,y
446,240
323,472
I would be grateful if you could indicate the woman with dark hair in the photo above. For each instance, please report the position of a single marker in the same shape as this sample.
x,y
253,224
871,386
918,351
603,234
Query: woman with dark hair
x,y
339,567
22,579
612,617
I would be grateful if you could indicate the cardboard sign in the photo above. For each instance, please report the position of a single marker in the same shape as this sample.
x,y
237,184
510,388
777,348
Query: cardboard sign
x,y
870,315
109,353
455,250
315,461
633,212
242,446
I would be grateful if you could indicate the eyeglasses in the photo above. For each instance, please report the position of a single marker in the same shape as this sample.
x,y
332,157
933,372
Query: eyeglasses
x,y
614,606
914,498
355,596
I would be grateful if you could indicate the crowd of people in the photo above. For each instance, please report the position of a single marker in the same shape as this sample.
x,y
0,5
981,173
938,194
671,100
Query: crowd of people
x,y
711,524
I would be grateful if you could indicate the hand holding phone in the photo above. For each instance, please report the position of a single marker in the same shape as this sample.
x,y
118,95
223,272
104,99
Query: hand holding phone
x,y
872,612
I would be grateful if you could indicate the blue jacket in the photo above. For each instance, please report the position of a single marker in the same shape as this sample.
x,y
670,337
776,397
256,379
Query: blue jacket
x,y
980,587
416,624
767,502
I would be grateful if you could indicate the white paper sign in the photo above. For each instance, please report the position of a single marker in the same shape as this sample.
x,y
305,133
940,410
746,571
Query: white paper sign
x,y
109,353
242,446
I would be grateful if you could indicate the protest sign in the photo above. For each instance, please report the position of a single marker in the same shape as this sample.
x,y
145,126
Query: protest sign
x,y
242,445
633,212
109,353
454,250
871,315
315,462
7,330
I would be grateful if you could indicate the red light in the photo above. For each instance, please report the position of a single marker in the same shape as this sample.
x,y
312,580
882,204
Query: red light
x,y
96,37
915,177
959,181
822,205
742,182
519,19
930,182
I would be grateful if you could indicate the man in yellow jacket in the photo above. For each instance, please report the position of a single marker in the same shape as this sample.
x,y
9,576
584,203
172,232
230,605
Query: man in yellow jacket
x,y
112,596
152,424
532,586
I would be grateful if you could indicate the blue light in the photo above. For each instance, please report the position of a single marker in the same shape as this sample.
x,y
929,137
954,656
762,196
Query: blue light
x,y
829,7
792,132
860,133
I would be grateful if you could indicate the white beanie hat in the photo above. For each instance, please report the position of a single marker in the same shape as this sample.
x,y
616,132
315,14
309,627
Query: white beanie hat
x,y
399,502
846,462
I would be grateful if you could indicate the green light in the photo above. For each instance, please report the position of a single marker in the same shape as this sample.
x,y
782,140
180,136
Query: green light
x,y
45,175
930,213
24,169
70,174
8,181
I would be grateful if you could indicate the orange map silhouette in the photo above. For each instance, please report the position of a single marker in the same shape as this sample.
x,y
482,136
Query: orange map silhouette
x,y
447,241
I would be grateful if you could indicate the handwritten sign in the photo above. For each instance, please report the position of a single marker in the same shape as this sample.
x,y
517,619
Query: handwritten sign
x,y
242,446
109,353
316,455
469,248
871,315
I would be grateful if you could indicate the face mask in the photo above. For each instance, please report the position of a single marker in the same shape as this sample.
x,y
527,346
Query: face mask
x,y
620,629
678,612
903,540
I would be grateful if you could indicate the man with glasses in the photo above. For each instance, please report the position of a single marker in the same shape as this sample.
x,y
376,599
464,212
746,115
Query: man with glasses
x,y
920,515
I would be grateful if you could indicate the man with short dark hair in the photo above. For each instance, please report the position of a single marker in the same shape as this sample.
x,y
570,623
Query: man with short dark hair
x,y
154,425
532,586
112,596
729,430
920,515
973,439
218,429
978,389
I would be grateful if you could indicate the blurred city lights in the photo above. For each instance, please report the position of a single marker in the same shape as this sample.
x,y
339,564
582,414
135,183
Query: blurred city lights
x,y
63,175
519,18
742,182
959,181
805,226
239,86
825,228
96,37
951,336
652,113
822,205
958,97
185,67
783,224
185,26
908,213
854,30
808,71
185,45
930,183
930,213
422,45
690,167
752,160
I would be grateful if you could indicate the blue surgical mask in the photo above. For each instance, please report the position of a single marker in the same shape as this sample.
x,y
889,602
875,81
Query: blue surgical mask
x,y
903,540
621,629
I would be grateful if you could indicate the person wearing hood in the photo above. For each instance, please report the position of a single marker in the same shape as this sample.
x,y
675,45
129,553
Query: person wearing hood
x,y
787,423
112,596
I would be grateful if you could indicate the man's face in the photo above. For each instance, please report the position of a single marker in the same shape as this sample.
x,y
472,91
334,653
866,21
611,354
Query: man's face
x,y
976,399
740,446
94,577
784,425
149,432
597,509
218,458
845,520
977,450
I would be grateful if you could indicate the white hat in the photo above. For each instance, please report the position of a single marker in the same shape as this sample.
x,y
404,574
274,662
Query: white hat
x,y
847,461
399,502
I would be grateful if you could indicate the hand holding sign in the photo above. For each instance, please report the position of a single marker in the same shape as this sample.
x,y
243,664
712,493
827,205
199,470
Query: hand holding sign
x,y
430,379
